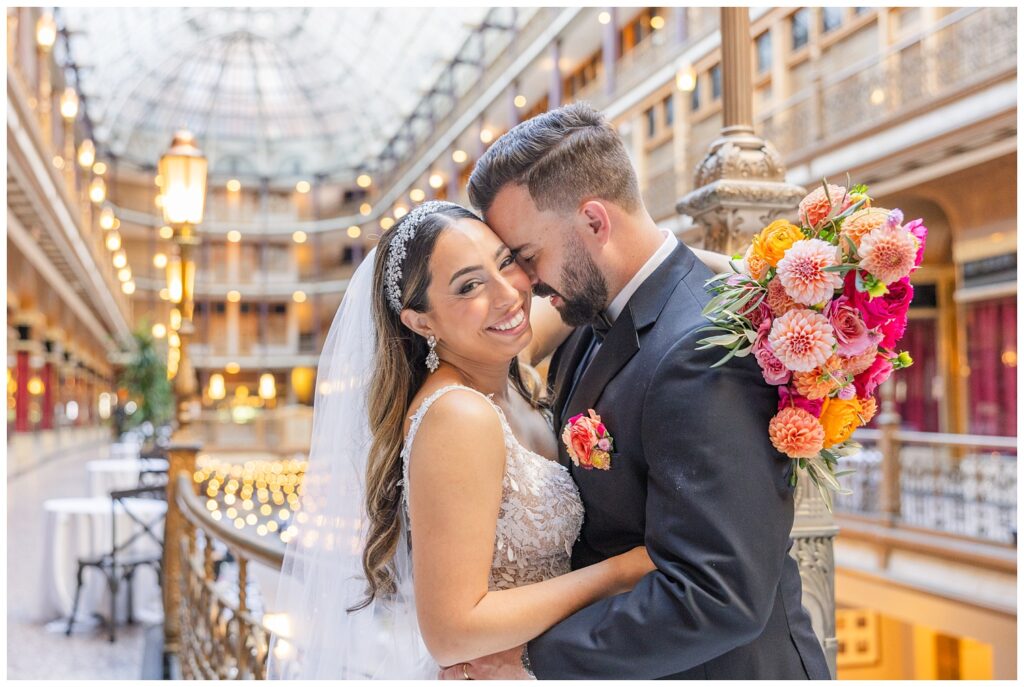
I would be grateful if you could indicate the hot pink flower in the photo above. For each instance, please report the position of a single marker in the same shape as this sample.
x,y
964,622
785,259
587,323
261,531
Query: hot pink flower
x,y
920,232
802,271
877,311
892,331
852,335
772,369
789,398
802,339
888,253
866,382
796,433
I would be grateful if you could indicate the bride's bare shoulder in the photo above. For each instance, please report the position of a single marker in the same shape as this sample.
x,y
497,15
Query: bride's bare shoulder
x,y
457,407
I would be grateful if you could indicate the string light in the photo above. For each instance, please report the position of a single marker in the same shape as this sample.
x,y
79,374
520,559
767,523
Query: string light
x,y
365,209
459,156
86,154
299,237
234,185
354,232
417,195
120,259
160,261
364,181
234,236
99,168
302,187
436,180
520,101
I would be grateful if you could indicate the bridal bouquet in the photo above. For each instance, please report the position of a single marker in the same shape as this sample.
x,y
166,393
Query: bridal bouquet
x,y
822,307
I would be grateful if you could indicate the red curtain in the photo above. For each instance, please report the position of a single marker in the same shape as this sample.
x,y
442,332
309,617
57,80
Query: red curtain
x,y
992,358
919,409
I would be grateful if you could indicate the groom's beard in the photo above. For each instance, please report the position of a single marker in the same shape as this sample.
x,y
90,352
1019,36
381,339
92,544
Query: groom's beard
x,y
586,291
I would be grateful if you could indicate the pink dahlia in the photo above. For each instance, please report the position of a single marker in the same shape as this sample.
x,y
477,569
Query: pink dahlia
x,y
815,207
802,339
888,253
803,273
796,433
778,300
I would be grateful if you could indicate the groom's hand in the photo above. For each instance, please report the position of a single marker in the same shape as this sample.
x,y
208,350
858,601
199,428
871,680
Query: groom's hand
x,y
505,665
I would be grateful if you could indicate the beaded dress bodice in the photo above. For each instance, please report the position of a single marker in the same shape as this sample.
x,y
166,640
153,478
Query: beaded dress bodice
x,y
540,514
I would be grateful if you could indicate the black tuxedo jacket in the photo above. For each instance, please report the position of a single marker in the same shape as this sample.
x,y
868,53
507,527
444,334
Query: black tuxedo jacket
x,y
693,477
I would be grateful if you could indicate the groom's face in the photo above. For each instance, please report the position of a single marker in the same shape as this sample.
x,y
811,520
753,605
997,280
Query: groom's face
x,y
550,249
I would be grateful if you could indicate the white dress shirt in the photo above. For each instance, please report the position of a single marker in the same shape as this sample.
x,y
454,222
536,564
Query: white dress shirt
x,y
618,303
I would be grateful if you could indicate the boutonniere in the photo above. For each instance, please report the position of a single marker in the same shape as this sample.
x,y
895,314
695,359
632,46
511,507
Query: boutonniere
x,y
588,442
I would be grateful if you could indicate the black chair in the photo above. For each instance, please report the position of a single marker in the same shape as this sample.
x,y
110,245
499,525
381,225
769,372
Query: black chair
x,y
117,565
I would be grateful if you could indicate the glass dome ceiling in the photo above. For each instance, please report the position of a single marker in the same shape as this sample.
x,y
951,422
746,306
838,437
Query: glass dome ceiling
x,y
269,92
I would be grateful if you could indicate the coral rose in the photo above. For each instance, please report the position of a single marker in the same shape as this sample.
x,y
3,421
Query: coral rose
x,y
888,253
579,438
852,334
869,380
839,418
754,265
802,339
796,433
803,273
861,223
815,207
774,240
772,369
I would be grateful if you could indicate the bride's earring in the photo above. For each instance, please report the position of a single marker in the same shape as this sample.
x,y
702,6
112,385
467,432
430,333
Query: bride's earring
x,y
432,361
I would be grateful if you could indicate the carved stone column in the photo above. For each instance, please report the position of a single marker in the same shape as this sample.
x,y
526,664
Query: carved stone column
x,y
740,187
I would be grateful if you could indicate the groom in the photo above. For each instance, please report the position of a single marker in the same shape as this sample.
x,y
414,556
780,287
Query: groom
x,y
693,475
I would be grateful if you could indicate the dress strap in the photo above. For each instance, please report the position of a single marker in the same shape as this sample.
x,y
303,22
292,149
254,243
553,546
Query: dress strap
x,y
417,418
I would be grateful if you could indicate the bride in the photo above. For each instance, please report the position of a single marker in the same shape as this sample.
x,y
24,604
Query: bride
x,y
436,524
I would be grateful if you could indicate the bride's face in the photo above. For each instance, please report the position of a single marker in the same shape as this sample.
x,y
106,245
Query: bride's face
x,y
479,297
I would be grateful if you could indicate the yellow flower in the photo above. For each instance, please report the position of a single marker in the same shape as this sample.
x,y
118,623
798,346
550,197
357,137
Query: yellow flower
x,y
601,460
839,418
774,240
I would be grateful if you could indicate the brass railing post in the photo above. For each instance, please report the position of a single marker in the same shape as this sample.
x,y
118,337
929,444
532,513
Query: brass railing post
x,y
182,458
889,447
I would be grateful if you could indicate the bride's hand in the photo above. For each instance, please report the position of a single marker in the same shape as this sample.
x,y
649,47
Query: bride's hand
x,y
633,565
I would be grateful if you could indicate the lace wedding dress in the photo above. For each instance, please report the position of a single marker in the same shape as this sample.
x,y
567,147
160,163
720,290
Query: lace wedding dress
x,y
540,514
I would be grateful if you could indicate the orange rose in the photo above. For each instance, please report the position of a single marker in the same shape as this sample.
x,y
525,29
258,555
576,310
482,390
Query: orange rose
x,y
579,438
774,240
839,418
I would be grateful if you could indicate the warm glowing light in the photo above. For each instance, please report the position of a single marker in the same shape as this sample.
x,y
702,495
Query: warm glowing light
x,y
386,223
46,31
234,296
1009,358
364,181
217,390
120,259
268,387
183,172
166,232
174,284
69,104
175,319
160,261
158,180
159,200
302,186
99,168
365,209
417,195
686,78
459,156
107,218
486,135
113,240
657,22
232,368
354,232
436,181
164,294
58,162
278,623
173,339
124,274
877,96
604,18
234,185
299,297
97,190
159,331
400,211
299,237
520,101
86,154
242,392
35,386
234,236
128,287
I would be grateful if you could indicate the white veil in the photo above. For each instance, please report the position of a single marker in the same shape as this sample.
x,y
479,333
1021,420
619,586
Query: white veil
x,y
322,577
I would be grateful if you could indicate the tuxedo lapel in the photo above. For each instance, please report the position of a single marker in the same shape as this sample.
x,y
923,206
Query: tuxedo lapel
x,y
618,347
576,348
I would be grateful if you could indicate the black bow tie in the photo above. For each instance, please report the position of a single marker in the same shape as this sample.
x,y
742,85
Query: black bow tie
x,y
601,326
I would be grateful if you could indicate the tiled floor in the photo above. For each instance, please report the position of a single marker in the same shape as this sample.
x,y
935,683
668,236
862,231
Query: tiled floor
x,y
33,651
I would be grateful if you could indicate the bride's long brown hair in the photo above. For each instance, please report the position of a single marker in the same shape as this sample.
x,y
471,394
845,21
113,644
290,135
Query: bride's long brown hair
x,y
399,371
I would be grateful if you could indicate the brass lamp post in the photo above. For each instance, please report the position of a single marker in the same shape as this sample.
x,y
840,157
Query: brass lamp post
x,y
182,173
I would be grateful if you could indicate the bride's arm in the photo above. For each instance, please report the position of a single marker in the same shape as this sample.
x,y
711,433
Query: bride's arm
x,y
716,262
548,332
456,470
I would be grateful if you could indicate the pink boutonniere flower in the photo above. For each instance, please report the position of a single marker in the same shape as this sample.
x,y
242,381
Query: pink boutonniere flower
x,y
588,442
